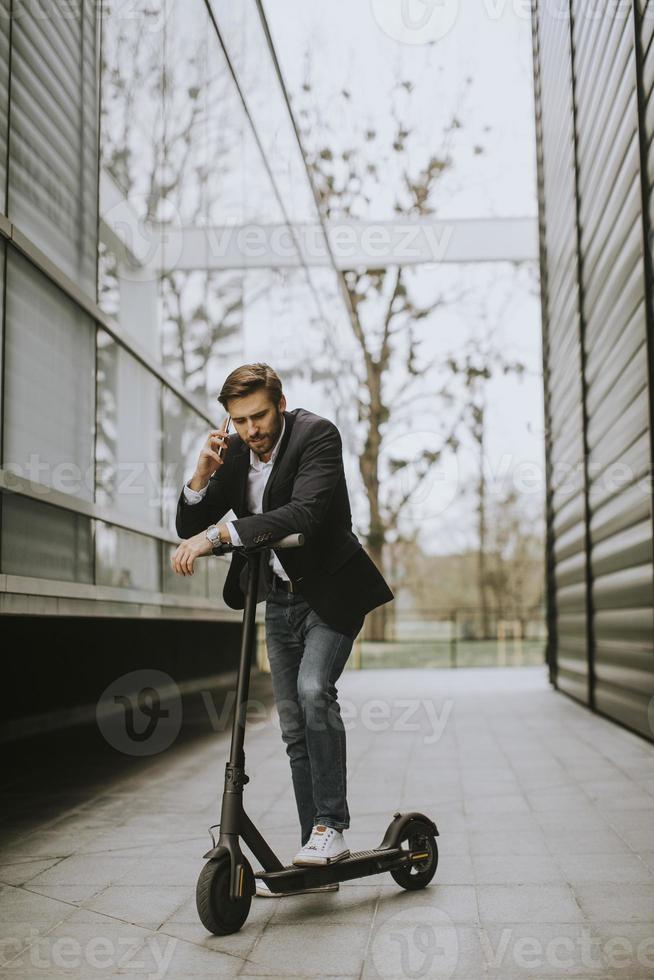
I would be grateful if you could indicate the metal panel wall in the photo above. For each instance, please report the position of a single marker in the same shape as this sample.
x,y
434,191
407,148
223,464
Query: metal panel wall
x,y
562,357
53,124
612,124
616,378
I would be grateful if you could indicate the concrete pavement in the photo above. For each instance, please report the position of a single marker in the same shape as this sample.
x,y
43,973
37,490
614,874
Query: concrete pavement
x,y
545,811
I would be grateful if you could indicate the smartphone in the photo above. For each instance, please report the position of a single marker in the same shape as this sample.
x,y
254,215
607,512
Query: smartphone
x,y
226,428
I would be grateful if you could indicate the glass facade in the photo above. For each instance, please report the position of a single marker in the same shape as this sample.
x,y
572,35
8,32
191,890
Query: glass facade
x,y
151,187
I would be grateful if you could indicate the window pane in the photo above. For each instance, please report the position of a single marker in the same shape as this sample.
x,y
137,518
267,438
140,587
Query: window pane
x,y
181,173
241,27
202,328
49,383
128,448
184,434
45,542
126,559
53,171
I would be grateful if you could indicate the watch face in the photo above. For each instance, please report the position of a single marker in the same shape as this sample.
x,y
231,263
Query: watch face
x,y
213,534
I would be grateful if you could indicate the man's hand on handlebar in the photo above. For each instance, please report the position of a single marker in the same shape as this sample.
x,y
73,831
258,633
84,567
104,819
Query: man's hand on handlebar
x,y
199,545
196,547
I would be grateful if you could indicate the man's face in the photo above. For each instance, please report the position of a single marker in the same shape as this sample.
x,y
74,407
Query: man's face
x,y
257,420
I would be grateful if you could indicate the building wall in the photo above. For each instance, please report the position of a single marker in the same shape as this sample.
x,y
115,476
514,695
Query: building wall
x,y
125,132
595,225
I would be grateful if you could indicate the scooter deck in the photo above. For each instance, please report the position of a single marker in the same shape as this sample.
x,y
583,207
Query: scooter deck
x,y
357,865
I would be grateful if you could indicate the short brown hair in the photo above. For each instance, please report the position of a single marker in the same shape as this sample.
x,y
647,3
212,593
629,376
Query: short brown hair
x,y
248,378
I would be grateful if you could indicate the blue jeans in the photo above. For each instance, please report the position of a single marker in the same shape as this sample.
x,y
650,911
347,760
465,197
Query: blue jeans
x,y
306,658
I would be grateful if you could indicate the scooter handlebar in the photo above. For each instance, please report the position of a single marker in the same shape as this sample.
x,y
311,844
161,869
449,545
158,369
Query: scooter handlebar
x,y
289,541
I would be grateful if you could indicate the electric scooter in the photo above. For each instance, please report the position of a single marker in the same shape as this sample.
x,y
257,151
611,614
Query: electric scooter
x,y
227,883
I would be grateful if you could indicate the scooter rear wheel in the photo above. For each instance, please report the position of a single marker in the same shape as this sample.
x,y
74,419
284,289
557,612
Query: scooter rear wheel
x,y
219,913
417,836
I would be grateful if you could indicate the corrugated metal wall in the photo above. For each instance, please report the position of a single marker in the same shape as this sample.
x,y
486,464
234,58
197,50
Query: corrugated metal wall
x,y
562,361
595,177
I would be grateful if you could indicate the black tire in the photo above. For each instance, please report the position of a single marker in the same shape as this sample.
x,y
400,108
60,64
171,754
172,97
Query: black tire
x,y
417,836
219,913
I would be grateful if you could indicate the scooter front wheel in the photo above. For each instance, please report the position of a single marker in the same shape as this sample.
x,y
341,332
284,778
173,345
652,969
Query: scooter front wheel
x,y
417,837
219,913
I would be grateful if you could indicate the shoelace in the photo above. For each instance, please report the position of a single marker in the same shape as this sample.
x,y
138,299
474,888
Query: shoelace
x,y
318,840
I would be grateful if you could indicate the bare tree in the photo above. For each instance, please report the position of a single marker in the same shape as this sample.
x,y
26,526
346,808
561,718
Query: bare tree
x,y
474,369
385,318
514,567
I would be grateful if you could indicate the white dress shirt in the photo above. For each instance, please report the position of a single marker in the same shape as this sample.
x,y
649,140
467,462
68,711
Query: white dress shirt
x,y
258,475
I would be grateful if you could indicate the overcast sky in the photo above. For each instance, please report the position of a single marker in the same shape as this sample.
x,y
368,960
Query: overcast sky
x,y
363,46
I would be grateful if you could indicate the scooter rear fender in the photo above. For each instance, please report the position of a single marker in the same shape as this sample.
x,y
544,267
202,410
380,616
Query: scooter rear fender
x,y
395,830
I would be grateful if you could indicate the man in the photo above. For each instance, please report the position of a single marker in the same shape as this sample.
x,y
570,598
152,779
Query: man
x,y
282,472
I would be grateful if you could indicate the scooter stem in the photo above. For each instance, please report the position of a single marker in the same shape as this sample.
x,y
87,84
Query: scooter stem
x,y
237,755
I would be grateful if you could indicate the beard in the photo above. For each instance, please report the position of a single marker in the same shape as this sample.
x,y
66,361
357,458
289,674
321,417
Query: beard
x,y
267,440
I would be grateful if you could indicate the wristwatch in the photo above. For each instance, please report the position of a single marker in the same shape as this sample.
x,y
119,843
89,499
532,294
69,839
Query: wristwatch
x,y
213,534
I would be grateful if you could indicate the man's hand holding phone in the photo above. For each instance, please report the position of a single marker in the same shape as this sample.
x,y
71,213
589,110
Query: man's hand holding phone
x,y
212,456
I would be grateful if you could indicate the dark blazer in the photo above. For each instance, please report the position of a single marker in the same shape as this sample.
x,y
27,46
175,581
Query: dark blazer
x,y
306,491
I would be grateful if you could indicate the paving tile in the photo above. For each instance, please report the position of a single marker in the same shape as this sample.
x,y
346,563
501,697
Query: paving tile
x,y
519,869
454,869
616,902
546,819
631,819
322,951
236,944
527,903
422,942
637,838
457,902
498,804
647,857
164,871
605,841
519,820
20,905
354,905
144,905
83,948
23,870
489,842
182,959
604,868
100,869
291,976
628,947
588,817
71,894
552,950
569,799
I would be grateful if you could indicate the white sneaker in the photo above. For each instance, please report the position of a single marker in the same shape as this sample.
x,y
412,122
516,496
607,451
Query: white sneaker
x,y
264,892
325,846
